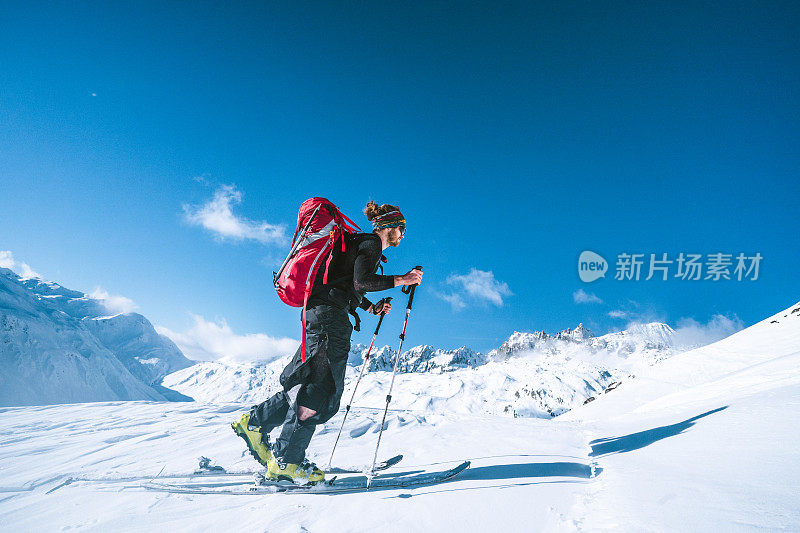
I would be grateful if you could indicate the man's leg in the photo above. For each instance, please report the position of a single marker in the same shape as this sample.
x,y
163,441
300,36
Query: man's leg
x,y
254,427
271,413
313,397
290,446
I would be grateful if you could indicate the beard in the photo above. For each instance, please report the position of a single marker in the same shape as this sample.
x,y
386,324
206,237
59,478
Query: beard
x,y
394,241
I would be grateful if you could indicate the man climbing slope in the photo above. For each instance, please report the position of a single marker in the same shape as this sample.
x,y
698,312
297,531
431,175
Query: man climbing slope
x,y
350,276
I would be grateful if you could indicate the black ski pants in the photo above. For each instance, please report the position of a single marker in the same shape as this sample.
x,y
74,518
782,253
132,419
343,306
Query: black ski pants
x,y
321,381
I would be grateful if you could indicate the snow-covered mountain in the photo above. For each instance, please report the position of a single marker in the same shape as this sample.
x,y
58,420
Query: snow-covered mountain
x,y
530,374
653,340
60,346
705,440
418,359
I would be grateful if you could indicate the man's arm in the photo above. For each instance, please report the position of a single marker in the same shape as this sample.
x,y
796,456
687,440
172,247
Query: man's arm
x,y
364,279
365,304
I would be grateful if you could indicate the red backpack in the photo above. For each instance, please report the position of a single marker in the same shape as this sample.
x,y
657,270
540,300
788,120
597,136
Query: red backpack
x,y
320,225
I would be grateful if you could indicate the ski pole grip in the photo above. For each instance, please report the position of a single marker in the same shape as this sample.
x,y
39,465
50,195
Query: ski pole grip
x,y
381,303
380,320
411,292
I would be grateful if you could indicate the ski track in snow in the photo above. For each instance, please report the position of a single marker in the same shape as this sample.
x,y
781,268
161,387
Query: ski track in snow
x,y
703,441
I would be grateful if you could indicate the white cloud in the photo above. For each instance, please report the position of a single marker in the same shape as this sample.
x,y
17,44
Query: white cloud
x,y
478,285
209,341
690,332
453,299
636,313
113,303
582,297
7,261
217,216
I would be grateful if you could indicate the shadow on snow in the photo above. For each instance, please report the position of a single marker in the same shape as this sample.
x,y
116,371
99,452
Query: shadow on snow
x,y
635,441
527,470
517,472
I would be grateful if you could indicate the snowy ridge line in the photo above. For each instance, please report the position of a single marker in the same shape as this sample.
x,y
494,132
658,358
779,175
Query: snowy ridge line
x,y
75,351
531,375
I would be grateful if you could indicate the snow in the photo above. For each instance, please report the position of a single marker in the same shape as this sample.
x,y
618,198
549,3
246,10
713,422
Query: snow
x,y
57,345
131,438
709,435
700,441
530,375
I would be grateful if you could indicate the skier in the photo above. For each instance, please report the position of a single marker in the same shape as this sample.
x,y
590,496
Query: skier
x,y
321,377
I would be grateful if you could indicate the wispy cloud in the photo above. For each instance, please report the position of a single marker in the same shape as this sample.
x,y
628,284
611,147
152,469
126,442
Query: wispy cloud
x,y
7,261
209,341
636,313
582,297
114,304
691,333
217,216
477,285
453,299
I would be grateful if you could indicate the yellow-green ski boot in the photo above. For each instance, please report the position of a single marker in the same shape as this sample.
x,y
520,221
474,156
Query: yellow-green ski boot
x,y
305,473
257,443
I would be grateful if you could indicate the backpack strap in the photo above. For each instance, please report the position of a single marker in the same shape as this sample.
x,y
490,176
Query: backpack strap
x,y
349,225
353,312
330,256
312,274
305,305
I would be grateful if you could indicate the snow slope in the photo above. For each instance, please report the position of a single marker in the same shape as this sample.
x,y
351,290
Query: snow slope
x,y
58,346
707,438
703,441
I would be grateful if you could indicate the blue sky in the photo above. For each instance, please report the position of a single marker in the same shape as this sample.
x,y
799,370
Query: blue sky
x,y
513,136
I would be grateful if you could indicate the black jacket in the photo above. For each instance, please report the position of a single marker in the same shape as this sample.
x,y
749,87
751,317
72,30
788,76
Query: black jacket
x,y
352,274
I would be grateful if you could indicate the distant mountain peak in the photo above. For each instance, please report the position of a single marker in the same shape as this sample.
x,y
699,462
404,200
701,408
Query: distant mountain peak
x,y
74,352
579,334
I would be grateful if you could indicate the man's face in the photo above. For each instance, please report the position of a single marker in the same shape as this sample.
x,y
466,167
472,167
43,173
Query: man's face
x,y
396,235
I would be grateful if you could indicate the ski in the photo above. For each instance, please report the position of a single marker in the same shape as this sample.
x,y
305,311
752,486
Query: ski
x,y
336,485
388,463
216,471
205,471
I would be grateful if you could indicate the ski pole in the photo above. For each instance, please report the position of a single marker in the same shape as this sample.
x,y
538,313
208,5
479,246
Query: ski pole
x,y
410,293
364,365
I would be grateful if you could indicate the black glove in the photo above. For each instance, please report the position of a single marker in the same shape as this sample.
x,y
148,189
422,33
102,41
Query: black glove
x,y
377,307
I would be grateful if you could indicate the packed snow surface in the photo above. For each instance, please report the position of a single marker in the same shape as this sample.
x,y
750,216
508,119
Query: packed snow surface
x,y
701,441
